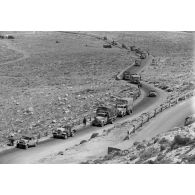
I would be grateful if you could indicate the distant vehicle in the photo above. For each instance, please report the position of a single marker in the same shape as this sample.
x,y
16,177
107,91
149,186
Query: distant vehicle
x,y
9,36
143,55
189,120
135,94
64,132
133,78
114,43
137,62
132,48
124,106
138,51
105,115
152,94
107,46
26,142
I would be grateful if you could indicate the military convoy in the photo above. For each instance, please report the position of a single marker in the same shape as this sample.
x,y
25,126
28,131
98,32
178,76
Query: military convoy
x,y
104,114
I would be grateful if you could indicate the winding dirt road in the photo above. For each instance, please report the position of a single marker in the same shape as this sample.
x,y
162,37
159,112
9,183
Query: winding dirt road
x,y
163,122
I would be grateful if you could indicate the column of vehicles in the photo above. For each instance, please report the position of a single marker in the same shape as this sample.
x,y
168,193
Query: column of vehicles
x,y
27,141
108,114
104,114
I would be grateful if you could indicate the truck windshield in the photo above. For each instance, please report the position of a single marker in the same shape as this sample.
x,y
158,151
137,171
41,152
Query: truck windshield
x,y
120,106
101,114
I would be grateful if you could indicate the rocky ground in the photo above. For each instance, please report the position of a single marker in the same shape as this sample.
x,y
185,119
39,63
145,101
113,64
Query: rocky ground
x,y
64,78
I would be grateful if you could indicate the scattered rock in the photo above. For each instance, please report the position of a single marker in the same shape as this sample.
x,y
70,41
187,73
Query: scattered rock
x,y
94,135
111,150
83,141
60,153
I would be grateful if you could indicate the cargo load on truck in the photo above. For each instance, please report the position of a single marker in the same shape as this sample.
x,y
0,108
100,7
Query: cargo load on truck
x,y
124,106
105,115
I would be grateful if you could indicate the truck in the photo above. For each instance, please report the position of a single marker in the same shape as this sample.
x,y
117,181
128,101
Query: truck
x,y
124,106
27,141
132,48
133,78
143,55
64,132
105,115
107,46
137,62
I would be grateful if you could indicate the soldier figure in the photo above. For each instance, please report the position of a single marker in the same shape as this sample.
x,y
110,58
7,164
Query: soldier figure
x,y
84,121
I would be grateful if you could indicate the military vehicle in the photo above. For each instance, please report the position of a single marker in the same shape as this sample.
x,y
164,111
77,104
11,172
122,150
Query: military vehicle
x,y
105,115
124,106
26,142
64,132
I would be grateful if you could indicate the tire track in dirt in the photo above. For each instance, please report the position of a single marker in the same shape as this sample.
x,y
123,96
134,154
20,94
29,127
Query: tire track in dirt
x,y
25,55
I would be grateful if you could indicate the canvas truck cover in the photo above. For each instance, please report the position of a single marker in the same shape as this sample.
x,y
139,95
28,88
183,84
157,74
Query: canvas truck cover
x,y
110,110
127,101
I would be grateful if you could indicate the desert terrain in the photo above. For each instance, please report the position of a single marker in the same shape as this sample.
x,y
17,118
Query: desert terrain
x,y
54,78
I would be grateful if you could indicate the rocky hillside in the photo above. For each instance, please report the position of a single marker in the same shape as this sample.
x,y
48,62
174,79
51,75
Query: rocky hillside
x,y
174,146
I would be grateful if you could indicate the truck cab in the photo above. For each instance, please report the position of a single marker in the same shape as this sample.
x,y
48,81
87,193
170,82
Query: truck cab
x,y
101,119
105,115
124,106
